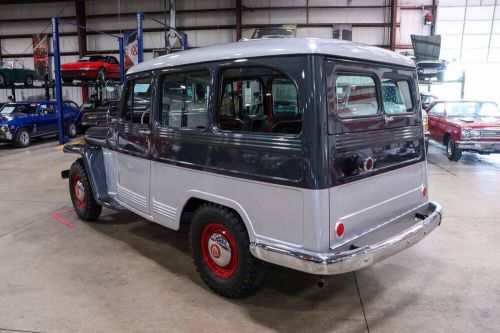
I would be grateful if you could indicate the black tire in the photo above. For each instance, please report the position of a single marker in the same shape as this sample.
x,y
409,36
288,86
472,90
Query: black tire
x,y
67,80
23,138
86,207
243,274
452,152
28,81
71,130
2,80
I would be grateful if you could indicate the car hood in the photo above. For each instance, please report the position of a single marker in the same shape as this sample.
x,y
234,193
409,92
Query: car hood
x,y
5,118
475,122
426,47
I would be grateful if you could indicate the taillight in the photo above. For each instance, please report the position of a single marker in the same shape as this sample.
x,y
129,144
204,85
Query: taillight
x,y
339,230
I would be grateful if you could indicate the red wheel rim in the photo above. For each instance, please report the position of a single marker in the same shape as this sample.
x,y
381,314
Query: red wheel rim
x,y
78,191
217,243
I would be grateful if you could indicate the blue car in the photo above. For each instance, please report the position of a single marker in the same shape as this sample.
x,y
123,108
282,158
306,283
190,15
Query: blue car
x,y
20,122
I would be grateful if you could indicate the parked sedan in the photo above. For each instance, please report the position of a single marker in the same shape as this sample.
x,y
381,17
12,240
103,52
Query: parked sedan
x,y
91,68
20,122
107,112
465,126
12,72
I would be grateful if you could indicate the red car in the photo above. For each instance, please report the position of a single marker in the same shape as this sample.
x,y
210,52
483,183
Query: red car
x,y
465,126
90,68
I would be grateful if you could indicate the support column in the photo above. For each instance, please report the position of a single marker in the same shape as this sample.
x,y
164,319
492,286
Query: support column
x,y
82,36
238,20
394,18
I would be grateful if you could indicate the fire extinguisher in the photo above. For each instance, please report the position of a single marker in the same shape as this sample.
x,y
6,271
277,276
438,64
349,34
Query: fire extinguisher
x,y
428,19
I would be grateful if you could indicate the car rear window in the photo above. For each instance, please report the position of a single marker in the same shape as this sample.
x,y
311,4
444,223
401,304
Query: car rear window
x,y
396,95
355,96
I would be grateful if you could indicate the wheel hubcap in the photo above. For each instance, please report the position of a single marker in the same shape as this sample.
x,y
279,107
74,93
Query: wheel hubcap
x,y
79,191
219,251
24,138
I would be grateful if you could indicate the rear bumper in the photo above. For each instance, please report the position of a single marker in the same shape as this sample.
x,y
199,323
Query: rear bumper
x,y
480,146
350,260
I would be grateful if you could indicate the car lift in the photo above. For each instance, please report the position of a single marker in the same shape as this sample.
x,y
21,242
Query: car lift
x,y
182,37
429,84
57,70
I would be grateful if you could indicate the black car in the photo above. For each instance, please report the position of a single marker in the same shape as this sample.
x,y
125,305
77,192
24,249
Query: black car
x,y
93,115
427,50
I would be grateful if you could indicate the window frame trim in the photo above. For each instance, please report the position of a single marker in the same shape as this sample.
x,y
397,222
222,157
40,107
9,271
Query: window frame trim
x,y
124,97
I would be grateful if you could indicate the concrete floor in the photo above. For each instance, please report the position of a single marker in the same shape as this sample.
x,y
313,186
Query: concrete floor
x,y
123,274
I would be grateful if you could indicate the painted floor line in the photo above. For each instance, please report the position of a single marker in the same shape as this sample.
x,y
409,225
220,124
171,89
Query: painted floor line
x,y
57,216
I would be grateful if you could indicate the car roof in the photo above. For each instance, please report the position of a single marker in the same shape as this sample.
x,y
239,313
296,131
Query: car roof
x,y
273,47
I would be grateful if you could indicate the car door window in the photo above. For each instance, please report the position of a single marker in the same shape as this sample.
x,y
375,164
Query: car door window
x,y
437,110
47,109
259,99
185,99
138,102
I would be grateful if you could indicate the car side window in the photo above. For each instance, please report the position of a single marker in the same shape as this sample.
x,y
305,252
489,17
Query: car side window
x,y
355,96
259,99
112,60
437,110
185,99
396,95
138,101
47,109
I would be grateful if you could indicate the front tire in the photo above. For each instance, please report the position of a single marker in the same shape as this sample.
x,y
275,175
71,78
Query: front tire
x,y
452,152
221,251
101,75
82,197
23,138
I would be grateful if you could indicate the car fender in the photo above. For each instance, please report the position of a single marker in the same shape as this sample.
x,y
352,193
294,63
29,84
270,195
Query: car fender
x,y
228,202
93,160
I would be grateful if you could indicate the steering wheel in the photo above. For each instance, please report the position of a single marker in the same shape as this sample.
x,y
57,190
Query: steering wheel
x,y
143,114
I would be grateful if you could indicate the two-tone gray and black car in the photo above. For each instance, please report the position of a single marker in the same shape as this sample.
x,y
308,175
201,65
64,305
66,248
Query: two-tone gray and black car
x,y
305,153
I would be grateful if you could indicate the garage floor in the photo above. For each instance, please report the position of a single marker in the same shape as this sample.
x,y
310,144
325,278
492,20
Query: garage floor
x,y
59,274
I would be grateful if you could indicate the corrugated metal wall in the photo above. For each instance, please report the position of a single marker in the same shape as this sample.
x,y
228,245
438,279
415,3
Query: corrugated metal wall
x,y
204,27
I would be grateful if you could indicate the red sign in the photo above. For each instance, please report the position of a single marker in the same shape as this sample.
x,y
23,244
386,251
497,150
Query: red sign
x,y
41,54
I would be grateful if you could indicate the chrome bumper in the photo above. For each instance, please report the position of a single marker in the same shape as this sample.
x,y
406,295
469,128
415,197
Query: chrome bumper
x,y
350,260
479,145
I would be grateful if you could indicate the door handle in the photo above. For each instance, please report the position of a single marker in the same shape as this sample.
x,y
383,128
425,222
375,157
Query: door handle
x,y
387,119
145,132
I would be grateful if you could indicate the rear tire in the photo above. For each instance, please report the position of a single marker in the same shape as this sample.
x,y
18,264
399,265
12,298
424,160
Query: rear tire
x,y
221,251
452,152
28,81
71,130
23,138
82,197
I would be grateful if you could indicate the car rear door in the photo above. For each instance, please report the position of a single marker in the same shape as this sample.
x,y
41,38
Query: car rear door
x,y
376,144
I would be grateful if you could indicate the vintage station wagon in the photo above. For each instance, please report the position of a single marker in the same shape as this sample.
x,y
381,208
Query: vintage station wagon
x,y
285,151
